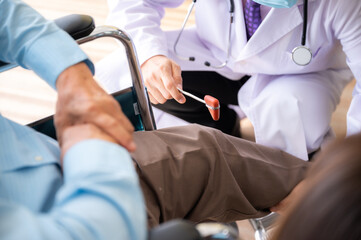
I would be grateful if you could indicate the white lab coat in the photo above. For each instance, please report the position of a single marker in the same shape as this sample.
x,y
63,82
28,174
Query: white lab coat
x,y
290,106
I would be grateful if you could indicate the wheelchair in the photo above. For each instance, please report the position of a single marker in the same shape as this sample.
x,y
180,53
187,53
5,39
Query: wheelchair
x,y
136,106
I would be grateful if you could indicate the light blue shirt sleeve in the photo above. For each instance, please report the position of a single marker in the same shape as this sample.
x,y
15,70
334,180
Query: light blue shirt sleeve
x,y
31,41
100,199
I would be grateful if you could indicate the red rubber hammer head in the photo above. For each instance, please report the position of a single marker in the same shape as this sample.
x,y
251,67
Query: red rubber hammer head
x,y
213,107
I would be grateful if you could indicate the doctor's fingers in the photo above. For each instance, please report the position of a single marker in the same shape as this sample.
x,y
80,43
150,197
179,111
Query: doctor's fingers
x,y
152,99
164,89
152,81
162,77
156,96
163,85
172,79
155,84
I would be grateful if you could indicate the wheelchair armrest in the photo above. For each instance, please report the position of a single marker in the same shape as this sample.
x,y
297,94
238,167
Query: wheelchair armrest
x,y
76,25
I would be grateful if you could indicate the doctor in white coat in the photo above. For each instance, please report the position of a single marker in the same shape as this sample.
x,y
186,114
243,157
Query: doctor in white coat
x,y
289,105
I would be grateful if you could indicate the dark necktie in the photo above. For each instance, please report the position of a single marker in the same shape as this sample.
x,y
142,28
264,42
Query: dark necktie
x,y
252,15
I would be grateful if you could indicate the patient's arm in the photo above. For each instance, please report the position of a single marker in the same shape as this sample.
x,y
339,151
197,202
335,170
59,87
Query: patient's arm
x,y
99,197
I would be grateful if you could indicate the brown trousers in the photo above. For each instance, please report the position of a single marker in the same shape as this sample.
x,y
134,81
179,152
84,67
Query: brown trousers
x,y
200,174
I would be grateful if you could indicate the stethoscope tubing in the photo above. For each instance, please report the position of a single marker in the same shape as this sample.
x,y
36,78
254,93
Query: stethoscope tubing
x,y
190,9
305,20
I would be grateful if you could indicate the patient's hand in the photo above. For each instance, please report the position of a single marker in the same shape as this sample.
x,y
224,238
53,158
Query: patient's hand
x,y
77,133
162,76
81,100
284,205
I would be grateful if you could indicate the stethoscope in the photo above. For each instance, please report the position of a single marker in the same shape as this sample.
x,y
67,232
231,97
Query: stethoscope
x,y
301,55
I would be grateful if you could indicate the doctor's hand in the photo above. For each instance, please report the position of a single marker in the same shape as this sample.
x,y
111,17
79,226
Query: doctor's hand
x,y
162,76
81,100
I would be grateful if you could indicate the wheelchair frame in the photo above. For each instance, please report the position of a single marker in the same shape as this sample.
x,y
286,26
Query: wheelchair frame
x,y
145,108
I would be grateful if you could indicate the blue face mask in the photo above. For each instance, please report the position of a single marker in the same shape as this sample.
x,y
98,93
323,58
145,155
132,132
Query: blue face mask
x,y
277,3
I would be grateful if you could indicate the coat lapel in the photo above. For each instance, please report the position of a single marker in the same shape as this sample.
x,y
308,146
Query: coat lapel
x,y
278,22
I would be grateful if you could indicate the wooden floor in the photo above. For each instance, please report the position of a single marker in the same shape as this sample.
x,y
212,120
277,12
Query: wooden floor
x,y
25,98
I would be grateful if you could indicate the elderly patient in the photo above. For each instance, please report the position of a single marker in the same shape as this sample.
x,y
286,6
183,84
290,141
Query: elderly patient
x,y
88,188
93,193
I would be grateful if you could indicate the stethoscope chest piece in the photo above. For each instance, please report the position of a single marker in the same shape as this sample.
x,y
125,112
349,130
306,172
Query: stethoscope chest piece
x,y
301,55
